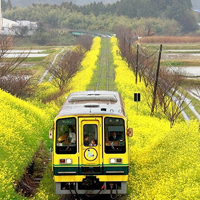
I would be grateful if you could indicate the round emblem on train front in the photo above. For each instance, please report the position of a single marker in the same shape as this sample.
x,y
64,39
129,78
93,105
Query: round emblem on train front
x,y
90,154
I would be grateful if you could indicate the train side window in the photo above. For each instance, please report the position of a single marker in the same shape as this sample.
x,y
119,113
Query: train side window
x,y
90,135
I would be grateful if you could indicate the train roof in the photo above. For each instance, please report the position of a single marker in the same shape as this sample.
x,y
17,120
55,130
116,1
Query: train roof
x,y
93,102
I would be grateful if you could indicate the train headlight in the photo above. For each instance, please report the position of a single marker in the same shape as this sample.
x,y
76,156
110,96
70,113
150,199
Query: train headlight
x,y
115,160
112,160
66,161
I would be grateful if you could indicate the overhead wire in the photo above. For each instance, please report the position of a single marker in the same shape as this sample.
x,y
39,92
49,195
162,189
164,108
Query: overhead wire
x,y
147,56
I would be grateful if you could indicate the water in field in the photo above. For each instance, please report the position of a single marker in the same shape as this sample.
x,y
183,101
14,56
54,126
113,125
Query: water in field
x,y
24,53
183,55
188,71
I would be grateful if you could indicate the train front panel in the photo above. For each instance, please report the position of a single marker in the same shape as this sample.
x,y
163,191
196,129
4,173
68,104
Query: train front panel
x,y
90,154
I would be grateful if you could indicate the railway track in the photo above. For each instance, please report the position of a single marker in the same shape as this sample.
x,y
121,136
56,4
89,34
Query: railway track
x,y
104,75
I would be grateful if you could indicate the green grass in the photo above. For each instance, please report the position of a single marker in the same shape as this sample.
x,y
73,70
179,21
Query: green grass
x,y
35,59
181,63
104,68
177,46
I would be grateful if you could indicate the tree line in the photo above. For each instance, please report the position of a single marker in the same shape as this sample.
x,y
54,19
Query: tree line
x,y
69,15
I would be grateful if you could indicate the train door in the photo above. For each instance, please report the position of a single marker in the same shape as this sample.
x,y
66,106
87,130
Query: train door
x,y
90,138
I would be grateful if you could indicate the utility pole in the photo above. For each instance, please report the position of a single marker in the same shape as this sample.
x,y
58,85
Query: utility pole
x,y
156,81
1,19
136,70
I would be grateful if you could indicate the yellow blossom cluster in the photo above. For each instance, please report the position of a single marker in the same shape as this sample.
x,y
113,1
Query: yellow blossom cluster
x,y
84,76
165,162
46,90
22,128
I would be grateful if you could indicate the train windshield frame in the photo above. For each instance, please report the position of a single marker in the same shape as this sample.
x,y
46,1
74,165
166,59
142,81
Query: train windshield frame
x,y
66,137
115,140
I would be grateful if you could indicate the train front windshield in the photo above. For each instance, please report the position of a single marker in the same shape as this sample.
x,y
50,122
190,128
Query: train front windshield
x,y
66,136
114,135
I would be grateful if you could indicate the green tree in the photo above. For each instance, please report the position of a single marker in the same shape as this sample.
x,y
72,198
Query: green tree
x,y
3,5
9,4
6,5
179,10
41,35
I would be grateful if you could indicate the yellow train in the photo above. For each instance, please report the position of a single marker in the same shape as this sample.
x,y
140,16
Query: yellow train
x,y
90,145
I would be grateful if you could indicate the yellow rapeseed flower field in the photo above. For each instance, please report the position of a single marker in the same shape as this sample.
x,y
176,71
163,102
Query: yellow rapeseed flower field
x,y
22,128
84,76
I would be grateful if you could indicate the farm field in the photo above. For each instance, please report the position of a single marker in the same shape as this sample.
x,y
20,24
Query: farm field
x,y
164,161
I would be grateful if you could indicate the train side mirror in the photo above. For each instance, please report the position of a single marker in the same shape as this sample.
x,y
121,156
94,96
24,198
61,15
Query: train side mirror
x,y
130,132
50,134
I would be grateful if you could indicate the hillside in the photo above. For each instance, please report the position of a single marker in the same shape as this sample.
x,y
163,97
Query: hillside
x,y
24,3
63,17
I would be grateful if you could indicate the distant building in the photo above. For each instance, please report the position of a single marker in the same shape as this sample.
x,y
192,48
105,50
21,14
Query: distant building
x,y
23,28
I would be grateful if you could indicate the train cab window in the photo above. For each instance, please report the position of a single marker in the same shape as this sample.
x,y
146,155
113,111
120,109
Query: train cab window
x,y
66,138
114,135
90,135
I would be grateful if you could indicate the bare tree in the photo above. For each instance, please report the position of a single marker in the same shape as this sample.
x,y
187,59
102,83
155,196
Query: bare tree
x,y
11,79
195,90
126,39
18,84
66,68
170,95
173,105
85,41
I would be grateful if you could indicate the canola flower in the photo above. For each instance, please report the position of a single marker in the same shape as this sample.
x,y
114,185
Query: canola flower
x,y
22,126
84,76
45,90
164,161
